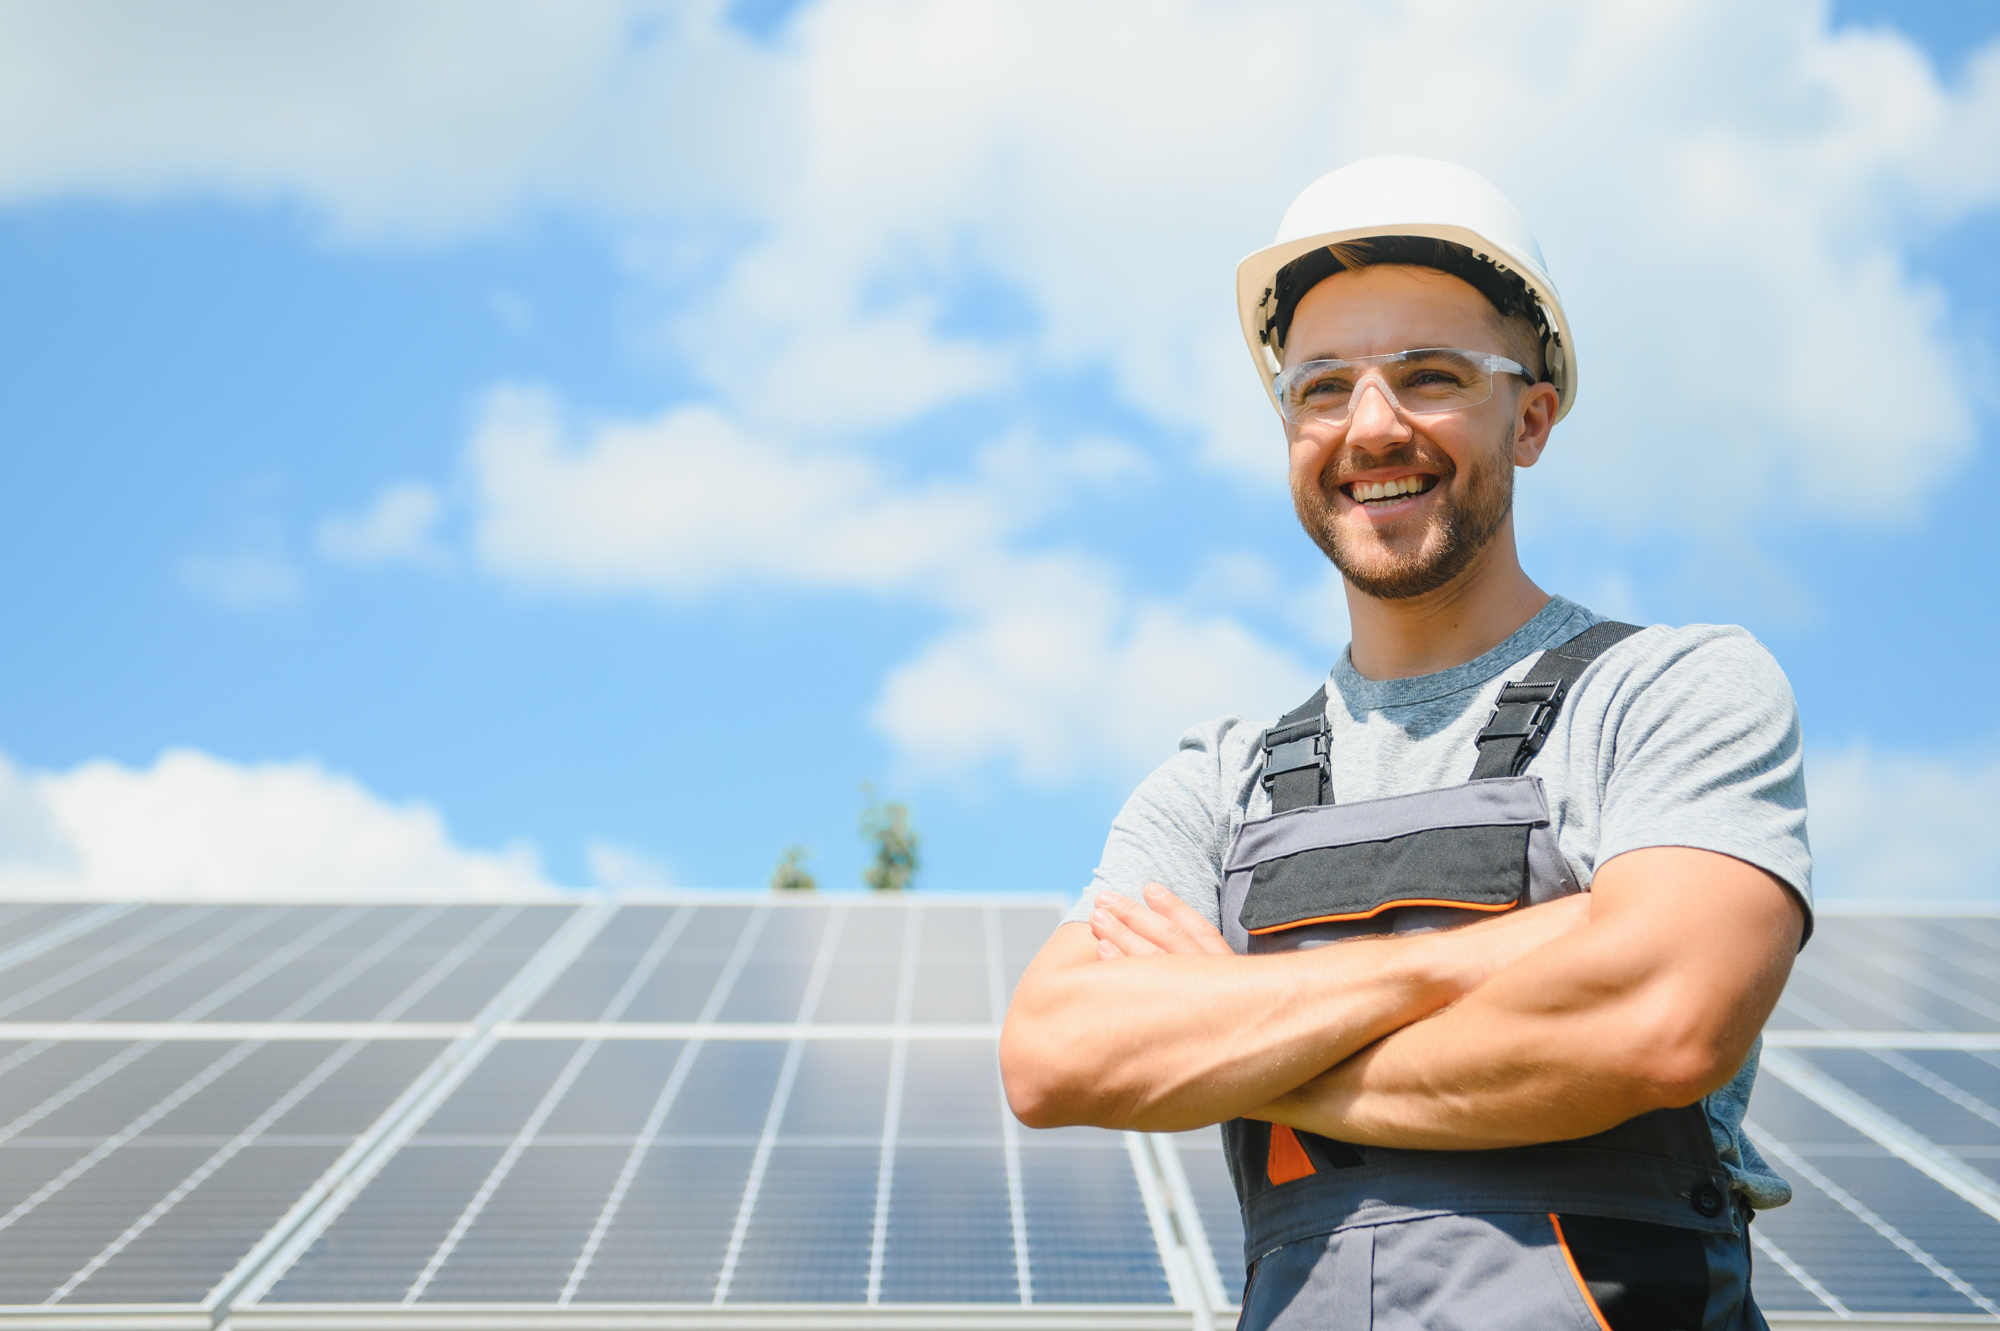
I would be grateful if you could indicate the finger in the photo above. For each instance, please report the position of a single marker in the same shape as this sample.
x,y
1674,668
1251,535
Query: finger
x,y
1110,929
1146,923
1188,920
1107,951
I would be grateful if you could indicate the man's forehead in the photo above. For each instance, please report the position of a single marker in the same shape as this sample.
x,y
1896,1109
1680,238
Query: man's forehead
x,y
1384,308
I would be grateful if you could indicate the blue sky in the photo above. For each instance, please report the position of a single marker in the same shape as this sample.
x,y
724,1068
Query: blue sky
x,y
621,430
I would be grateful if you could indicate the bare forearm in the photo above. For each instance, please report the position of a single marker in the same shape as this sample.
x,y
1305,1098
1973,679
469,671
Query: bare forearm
x,y
1177,1040
1510,1064
1598,1027
1164,1043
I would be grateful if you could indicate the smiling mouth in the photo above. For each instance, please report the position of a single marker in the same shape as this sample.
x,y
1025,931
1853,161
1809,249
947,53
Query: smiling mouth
x,y
1381,494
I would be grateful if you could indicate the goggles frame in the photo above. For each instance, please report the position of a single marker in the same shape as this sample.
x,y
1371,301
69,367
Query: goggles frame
x,y
1283,381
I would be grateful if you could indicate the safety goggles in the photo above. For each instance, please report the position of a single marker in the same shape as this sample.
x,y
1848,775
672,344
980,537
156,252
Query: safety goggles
x,y
1417,383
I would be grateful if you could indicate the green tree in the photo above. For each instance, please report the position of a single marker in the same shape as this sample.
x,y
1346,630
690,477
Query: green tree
x,y
886,826
791,875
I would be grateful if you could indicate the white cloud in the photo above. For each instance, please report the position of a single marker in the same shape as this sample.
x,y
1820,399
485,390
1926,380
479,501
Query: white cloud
x,y
1061,673
1726,193
393,121
1726,196
1048,663
196,826
1046,666
399,527
1903,826
690,500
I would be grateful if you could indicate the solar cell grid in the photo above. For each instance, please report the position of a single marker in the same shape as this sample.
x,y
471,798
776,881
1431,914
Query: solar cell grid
x,y
951,1092
1957,1235
1782,1285
382,1240
1933,1105
1087,1228
808,1238
953,986
326,962
840,1090
499,1094
613,1093
1966,957
1207,1172
485,961
384,980
1913,982
667,1242
1822,995
727,1090
950,1235
178,1256
169,1167
121,948
1021,931
863,985
36,1071
1861,1257
526,1237
193,982
22,920
776,972
637,934
702,967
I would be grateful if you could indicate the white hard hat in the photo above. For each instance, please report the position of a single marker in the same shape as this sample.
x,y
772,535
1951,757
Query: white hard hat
x,y
1404,196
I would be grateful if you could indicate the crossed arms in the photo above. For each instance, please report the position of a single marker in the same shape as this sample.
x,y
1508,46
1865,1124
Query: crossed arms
x,y
1545,1024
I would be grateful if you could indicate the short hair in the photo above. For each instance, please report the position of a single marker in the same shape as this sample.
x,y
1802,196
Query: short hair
x,y
1504,289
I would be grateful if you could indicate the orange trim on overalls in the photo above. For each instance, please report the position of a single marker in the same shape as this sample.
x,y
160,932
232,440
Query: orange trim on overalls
x,y
1288,1159
1371,914
1582,1288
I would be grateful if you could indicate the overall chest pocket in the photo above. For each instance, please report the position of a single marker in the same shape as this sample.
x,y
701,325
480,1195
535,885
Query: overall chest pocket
x,y
1423,860
1470,868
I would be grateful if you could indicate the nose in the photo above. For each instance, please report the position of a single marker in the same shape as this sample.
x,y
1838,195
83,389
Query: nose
x,y
1372,417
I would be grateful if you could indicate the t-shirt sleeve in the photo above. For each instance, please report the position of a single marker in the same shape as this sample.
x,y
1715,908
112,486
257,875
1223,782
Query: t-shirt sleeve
x,y
1177,826
1705,752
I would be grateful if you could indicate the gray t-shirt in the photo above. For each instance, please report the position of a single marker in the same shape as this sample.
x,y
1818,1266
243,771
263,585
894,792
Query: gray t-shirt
x,y
1673,737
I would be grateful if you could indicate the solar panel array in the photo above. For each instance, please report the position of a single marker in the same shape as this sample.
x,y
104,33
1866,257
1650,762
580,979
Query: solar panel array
x,y
310,1115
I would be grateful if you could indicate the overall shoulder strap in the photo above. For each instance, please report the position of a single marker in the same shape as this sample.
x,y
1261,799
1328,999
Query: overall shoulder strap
x,y
1297,756
1527,707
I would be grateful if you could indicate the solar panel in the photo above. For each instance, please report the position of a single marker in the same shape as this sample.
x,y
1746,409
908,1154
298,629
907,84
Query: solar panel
x,y
764,1153
353,1111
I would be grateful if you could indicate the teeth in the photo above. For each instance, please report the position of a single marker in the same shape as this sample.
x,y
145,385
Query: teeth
x,y
1373,490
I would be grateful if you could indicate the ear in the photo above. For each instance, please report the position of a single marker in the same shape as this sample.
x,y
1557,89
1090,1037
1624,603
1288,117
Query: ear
x,y
1535,417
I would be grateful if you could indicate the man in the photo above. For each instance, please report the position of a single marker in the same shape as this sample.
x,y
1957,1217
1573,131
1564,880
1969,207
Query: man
x,y
1470,953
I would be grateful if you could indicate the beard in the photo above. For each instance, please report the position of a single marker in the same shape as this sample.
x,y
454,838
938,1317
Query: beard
x,y
1456,529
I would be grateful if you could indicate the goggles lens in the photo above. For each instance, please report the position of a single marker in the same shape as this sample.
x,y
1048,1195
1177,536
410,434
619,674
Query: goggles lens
x,y
1417,383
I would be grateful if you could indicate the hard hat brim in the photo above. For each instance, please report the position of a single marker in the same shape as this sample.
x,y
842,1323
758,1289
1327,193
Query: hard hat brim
x,y
1257,275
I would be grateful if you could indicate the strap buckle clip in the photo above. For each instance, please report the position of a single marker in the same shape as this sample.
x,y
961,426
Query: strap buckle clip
x,y
1525,712
1293,756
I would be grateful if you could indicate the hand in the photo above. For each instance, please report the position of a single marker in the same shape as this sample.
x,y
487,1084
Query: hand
x,y
1162,923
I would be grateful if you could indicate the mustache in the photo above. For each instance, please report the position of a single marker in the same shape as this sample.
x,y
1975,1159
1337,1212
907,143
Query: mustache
x,y
1344,467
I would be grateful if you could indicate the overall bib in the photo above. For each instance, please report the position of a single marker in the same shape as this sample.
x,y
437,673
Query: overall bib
x,y
1633,1229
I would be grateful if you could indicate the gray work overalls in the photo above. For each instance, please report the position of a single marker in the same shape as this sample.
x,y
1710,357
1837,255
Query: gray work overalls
x,y
1632,1229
